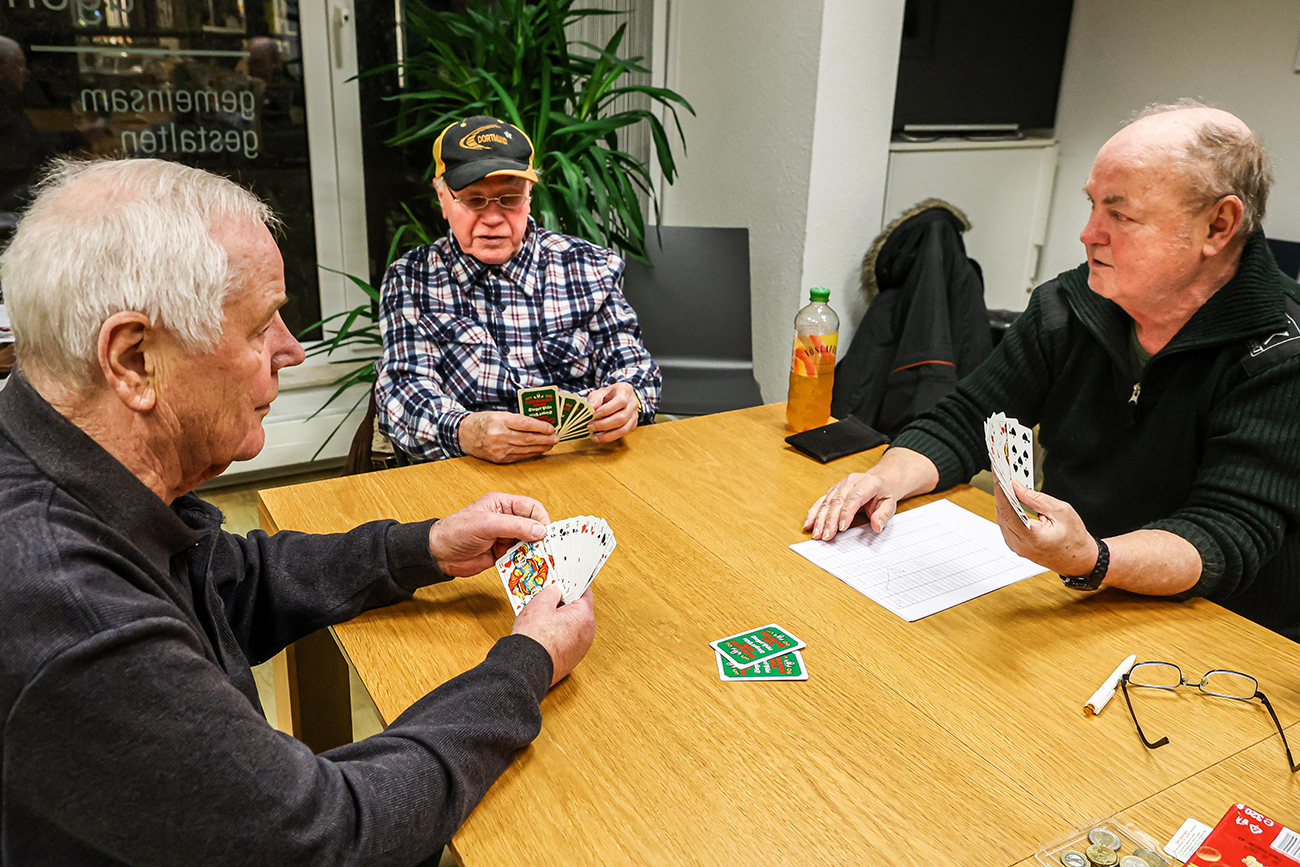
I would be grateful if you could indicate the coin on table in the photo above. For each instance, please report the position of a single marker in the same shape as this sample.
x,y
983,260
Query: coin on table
x,y
1071,858
1132,861
1101,856
1102,837
1153,859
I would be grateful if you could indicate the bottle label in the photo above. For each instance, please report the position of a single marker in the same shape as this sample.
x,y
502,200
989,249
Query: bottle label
x,y
814,355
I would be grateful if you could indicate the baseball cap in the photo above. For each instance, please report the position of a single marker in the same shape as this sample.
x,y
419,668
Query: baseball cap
x,y
477,147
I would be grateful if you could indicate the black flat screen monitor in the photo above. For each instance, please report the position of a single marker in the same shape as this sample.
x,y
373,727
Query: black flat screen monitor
x,y
976,62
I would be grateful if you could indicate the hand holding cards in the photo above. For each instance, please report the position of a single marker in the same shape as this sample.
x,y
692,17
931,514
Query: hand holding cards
x,y
1011,455
570,555
567,413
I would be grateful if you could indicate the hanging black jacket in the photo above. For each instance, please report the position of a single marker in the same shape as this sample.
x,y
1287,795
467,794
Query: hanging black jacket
x,y
926,329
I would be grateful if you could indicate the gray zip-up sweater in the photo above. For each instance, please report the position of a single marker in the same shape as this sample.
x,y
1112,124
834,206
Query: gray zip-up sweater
x,y
1204,442
132,728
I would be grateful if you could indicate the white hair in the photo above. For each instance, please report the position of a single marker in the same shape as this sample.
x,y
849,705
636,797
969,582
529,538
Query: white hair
x,y
1220,160
106,236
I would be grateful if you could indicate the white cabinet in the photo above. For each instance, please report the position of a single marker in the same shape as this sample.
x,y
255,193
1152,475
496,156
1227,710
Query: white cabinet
x,y
1005,188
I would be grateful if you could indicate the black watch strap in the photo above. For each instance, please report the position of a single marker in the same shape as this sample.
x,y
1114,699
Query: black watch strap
x,y
1093,579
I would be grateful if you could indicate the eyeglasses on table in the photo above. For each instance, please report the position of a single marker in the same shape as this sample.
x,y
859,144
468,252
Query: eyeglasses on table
x,y
1221,683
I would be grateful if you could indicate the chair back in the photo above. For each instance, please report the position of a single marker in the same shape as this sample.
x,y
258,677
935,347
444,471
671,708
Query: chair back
x,y
694,310
1287,254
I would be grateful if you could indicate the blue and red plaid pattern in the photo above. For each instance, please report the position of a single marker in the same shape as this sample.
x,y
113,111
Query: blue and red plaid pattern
x,y
462,337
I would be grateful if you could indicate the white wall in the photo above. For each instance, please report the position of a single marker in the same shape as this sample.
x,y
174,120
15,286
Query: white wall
x,y
752,69
1124,54
749,67
850,156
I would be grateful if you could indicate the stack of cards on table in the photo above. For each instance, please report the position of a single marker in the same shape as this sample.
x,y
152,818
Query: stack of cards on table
x,y
766,653
570,555
1011,453
569,413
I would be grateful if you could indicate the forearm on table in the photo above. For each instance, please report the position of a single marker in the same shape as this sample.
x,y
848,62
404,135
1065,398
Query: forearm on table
x,y
420,418
906,473
288,585
1152,562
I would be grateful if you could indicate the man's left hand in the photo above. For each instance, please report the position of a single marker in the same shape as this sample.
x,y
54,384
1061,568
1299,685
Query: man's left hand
x,y
1057,540
470,540
615,408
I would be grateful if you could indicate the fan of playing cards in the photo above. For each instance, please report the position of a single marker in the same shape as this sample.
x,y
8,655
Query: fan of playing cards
x,y
570,555
569,413
1011,453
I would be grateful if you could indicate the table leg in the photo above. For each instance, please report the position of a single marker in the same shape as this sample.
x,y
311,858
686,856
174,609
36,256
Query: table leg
x,y
312,694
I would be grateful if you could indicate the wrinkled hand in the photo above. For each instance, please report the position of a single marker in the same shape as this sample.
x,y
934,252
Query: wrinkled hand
x,y
1057,540
505,437
835,509
566,631
470,540
615,412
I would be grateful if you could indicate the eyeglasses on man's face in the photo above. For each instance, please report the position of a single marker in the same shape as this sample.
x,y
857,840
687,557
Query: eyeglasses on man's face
x,y
1220,683
510,201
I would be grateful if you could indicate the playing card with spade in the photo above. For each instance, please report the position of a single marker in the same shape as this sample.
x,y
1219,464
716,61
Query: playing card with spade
x,y
1011,456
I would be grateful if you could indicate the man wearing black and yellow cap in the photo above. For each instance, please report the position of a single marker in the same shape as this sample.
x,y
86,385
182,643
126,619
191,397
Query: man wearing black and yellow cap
x,y
498,305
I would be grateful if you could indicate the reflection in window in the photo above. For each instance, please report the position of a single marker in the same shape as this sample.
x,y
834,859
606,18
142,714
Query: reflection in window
x,y
216,84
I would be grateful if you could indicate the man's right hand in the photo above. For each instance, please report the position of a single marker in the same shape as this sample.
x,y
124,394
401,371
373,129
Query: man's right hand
x,y
505,437
470,540
566,631
835,509
900,473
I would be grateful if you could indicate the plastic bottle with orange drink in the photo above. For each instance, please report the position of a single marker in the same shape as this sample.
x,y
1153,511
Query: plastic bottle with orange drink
x,y
812,366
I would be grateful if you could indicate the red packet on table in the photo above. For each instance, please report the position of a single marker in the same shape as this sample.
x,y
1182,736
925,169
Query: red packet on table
x,y
1245,836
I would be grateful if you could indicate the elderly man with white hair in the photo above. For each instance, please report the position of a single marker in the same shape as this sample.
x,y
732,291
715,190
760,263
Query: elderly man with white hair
x,y
145,297
1164,374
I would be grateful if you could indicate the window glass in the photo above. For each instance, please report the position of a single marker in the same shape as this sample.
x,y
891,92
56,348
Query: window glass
x,y
215,84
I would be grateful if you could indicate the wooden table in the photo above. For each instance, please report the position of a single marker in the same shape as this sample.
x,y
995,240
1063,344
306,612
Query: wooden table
x,y
956,738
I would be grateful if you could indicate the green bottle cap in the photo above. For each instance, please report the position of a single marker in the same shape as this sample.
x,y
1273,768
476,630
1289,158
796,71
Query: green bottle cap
x,y
819,294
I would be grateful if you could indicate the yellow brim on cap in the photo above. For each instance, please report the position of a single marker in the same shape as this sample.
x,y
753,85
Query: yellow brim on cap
x,y
438,165
527,174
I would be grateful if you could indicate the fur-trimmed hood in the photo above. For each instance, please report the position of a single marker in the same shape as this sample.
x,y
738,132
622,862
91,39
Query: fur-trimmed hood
x,y
870,285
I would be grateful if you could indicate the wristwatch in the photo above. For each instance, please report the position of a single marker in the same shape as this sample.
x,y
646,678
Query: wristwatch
x,y
1093,579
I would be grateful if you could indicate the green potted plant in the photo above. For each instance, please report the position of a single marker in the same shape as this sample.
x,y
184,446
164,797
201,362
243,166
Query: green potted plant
x,y
513,59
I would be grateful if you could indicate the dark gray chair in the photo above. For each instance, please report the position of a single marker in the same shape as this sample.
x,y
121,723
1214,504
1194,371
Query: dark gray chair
x,y
1287,254
694,311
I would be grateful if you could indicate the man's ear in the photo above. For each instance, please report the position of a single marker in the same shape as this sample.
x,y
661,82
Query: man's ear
x,y
443,195
1225,220
124,359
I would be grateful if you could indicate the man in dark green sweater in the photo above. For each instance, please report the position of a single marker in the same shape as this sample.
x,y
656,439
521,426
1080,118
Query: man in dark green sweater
x,y
1164,375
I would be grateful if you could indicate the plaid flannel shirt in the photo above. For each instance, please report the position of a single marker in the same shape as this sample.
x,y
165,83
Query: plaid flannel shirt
x,y
462,337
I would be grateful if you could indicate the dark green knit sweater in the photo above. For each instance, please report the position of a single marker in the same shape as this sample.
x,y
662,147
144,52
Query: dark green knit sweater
x,y
1209,449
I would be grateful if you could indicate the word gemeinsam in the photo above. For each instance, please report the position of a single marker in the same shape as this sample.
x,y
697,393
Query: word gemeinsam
x,y
83,5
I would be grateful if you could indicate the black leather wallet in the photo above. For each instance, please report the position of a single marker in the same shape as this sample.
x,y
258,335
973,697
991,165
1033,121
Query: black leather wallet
x,y
837,439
